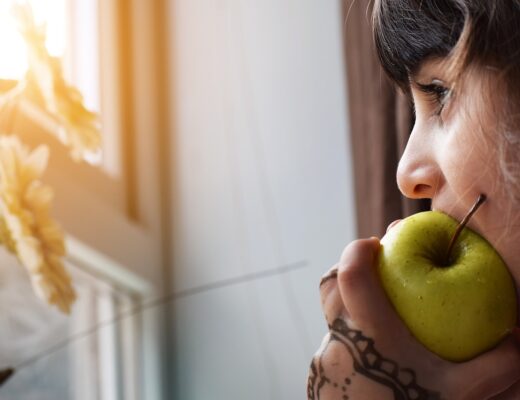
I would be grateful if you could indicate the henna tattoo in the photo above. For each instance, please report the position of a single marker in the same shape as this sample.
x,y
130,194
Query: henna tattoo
x,y
311,380
367,361
313,385
333,274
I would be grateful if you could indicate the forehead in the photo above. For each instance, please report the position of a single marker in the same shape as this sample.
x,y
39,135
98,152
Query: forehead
x,y
431,68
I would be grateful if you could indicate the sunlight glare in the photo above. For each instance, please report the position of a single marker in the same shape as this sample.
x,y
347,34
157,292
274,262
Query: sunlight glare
x,y
12,46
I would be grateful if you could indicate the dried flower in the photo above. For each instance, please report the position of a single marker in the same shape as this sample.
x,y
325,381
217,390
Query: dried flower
x,y
26,227
78,127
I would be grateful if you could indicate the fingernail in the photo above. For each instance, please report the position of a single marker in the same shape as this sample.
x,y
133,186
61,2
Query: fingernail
x,y
331,275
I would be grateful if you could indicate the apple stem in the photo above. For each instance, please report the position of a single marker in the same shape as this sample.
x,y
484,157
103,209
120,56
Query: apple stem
x,y
481,199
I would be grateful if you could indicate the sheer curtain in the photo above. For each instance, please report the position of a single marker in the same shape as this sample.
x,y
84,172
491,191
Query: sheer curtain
x,y
381,119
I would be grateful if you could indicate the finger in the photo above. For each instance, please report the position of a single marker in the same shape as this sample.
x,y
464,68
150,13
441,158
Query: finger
x,y
359,284
331,274
331,302
367,304
512,393
489,374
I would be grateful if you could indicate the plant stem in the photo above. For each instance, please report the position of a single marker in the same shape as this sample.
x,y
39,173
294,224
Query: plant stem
x,y
481,199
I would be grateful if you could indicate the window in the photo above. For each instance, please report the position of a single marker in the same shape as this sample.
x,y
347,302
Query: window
x,y
112,215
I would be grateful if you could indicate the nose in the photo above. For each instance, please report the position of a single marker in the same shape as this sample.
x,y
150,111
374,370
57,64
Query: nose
x,y
418,174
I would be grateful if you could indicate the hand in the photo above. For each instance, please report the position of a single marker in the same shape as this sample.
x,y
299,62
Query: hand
x,y
513,393
370,354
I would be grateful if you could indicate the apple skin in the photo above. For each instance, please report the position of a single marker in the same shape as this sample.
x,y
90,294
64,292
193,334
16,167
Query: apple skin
x,y
457,311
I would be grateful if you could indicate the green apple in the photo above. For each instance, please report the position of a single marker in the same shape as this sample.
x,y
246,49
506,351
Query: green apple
x,y
456,309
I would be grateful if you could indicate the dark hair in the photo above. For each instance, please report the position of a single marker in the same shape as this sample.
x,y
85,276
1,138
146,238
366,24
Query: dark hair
x,y
485,32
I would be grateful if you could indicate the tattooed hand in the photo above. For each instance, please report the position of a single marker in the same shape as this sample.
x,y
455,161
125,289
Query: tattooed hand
x,y
369,354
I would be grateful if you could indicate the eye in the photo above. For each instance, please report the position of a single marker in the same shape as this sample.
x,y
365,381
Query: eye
x,y
437,93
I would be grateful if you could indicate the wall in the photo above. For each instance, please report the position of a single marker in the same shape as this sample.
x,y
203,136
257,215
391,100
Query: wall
x,y
263,201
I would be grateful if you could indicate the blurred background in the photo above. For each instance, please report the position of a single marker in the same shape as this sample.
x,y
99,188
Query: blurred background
x,y
245,143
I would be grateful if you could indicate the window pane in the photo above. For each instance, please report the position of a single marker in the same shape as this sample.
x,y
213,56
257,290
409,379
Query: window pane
x,y
82,57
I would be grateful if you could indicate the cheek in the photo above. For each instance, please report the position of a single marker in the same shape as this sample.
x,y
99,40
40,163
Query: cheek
x,y
470,167
468,170
468,160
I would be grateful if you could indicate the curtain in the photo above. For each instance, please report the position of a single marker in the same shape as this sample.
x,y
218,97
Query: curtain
x,y
381,119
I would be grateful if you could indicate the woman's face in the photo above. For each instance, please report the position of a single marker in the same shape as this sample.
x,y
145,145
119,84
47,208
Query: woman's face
x,y
452,157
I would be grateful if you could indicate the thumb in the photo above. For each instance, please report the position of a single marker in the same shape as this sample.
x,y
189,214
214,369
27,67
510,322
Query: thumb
x,y
361,290
490,373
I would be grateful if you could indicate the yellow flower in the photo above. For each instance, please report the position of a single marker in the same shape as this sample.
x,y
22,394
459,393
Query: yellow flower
x,y
26,227
45,85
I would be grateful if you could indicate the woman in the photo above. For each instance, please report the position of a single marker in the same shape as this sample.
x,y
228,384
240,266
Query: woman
x,y
459,61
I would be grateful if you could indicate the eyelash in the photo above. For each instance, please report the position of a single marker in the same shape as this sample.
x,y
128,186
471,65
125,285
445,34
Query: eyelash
x,y
438,93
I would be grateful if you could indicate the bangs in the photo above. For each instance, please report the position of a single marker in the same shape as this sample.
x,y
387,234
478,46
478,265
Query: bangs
x,y
406,32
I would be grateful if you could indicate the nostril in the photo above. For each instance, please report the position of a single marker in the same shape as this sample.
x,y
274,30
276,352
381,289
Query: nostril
x,y
421,189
